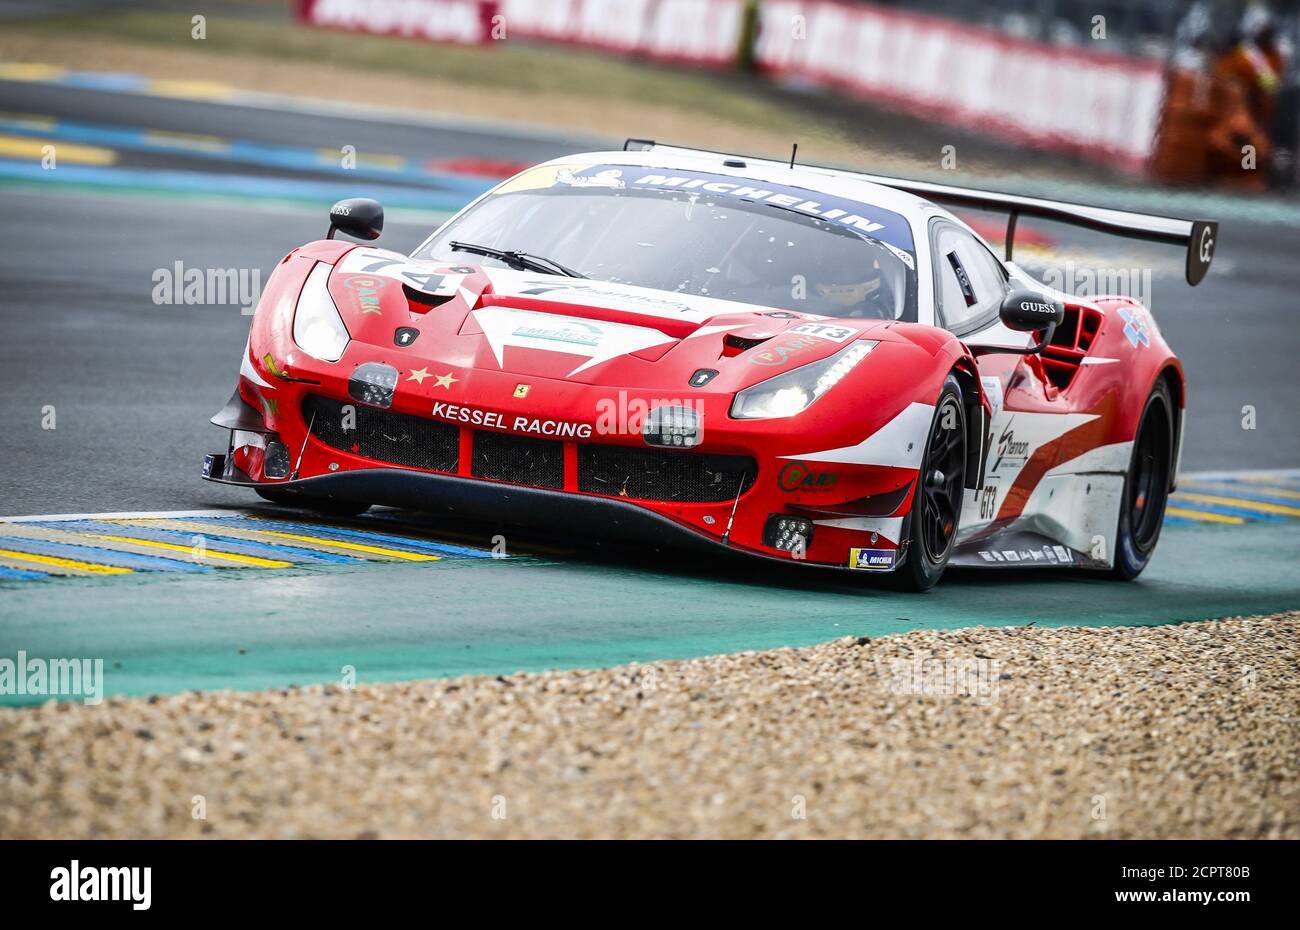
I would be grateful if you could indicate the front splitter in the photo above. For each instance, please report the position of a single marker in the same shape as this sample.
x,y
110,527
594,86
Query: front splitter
x,y
580,516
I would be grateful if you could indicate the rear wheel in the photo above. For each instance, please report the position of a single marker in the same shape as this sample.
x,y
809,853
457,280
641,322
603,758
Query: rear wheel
x,y
1146,487
325,505
937,501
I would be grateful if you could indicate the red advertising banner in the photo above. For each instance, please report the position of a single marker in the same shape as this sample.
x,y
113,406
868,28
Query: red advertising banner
x,y
1090,103
467,22
1095,104
695,31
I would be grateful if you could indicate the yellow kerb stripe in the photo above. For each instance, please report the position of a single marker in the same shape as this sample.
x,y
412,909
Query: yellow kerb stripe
x,y
64,563
363,158
207,553
22,147
1290,494
1238,503
27,120
355,547
205,90
1269,478
30,71
190,140
1202,515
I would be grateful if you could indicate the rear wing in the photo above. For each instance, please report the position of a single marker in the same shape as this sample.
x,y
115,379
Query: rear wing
x,y
1197,237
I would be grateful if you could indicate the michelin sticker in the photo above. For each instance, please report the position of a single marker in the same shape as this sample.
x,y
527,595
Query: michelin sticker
x,y
872,560
888,227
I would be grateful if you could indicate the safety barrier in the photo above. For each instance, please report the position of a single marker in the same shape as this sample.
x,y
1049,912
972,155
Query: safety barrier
x,y
1093,104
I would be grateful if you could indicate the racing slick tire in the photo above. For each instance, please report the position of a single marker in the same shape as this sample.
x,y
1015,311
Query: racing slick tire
x,y
324,505
1146,486
936,507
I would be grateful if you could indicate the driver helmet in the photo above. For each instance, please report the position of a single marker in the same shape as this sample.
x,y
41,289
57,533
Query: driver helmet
x,y
867,296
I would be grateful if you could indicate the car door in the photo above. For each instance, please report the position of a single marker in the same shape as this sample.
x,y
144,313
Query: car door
x,y
969,286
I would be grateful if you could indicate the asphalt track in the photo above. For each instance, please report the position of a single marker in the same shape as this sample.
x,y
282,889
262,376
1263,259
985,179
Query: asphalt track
x,y
132,384
159,632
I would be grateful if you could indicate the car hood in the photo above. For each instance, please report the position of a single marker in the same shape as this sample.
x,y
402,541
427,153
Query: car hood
x,y
577,330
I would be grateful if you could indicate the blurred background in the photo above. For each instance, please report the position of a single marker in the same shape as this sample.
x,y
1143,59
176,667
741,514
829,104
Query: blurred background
x,y
1198,93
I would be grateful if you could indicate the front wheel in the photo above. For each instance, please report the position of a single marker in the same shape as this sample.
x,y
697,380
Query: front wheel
x,y
1146,487
937,500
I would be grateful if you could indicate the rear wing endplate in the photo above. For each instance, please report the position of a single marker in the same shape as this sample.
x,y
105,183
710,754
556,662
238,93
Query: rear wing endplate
x,y
1197,237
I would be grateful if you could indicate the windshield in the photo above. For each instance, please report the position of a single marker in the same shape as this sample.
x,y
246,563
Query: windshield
x,y
710,240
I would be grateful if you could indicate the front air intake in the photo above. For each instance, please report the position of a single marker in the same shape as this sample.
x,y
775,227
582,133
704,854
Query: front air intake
x,y
662,475
383,435
518,459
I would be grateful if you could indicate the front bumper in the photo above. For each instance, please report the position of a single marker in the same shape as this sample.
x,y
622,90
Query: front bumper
x,y
401,457
578,516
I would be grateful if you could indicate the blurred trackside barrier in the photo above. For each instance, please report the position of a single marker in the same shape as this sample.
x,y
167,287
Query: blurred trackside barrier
x,y
698,32
1091,104
467,22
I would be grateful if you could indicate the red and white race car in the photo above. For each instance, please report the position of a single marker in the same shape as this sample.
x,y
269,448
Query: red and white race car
x,y
792,362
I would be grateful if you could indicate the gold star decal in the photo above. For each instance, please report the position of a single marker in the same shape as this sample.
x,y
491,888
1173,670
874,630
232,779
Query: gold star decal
x,y
445,380
418,375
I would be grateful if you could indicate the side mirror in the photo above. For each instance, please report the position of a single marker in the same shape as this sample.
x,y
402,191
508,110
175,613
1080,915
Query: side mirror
x,y
1029,312
359,217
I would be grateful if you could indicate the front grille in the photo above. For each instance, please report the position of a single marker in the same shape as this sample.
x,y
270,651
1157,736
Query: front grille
x,y
662,475
617,471
398,438
518,459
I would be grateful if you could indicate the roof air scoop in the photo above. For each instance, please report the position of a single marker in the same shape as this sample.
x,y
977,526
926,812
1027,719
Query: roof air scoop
x,y
424,302
744,340
742,343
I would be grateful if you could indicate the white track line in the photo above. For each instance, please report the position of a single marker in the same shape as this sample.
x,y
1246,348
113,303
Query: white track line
x,y
127,515
379,113
1240,473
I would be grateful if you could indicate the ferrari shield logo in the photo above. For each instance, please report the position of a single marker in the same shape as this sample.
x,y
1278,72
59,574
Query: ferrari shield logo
x,y
521,390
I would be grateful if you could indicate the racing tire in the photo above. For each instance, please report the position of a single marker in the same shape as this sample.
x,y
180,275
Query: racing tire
x,y
1146,486
323,505
937,502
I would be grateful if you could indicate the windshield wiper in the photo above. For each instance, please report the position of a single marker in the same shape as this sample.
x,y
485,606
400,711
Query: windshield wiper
x,y
521,261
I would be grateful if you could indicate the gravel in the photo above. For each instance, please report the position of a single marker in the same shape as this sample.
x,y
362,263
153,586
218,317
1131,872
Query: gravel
x,y
1183,730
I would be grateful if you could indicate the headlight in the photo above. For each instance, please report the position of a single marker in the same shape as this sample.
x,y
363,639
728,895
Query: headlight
x,y
317,327
792,392
673,426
